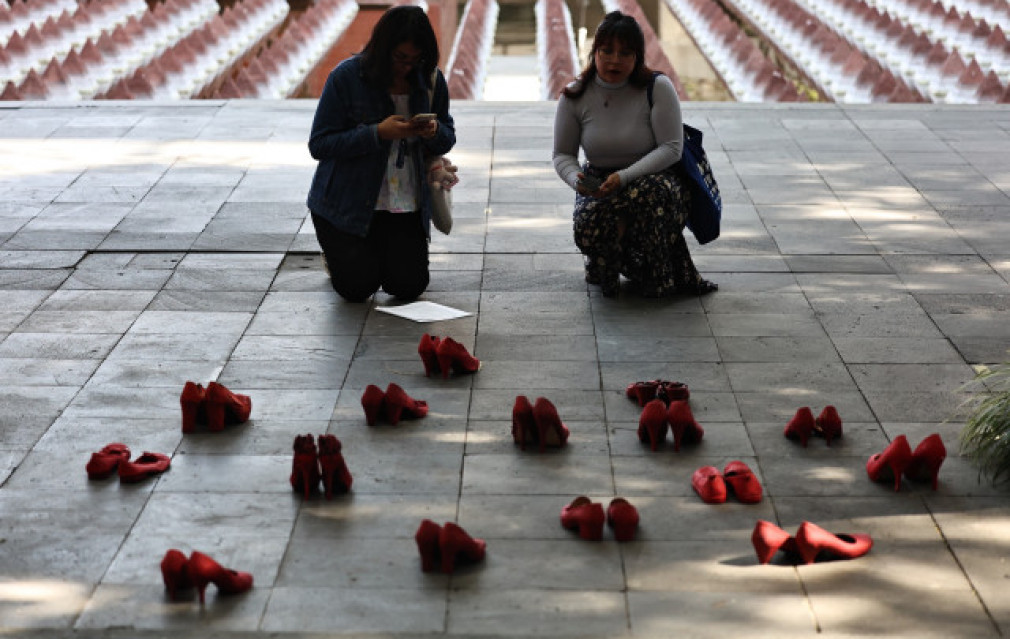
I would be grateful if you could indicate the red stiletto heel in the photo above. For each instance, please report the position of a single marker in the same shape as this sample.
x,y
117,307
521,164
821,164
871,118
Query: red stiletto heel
x,y
744,483
372,401
524,426
926,459
175,573
106,462
709,485
428,349
400,404
427,536
801,426
141,468
224,406
585,515
453,356
890,463
194,406
454,543
550,430
305,466
336,477
811,540
623,518
204,570
828,424
682,423
768,539
642,392
652,423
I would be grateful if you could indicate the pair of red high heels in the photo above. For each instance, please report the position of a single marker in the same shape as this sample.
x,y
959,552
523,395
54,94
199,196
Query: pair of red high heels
x,y
714,487
537,423
803,424
442,546
444,355
644,392
391,406
115,458
180,573
587,516
655,418
922,464
310,466
810,542
214,406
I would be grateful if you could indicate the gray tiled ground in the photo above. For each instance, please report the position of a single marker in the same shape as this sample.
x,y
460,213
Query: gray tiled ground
x,y
864,263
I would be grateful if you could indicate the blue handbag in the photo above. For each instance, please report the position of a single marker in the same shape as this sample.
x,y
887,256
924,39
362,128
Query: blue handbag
x,y
705,213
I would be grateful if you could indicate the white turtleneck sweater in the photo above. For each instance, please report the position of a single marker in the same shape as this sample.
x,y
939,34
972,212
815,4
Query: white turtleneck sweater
x,y
616,129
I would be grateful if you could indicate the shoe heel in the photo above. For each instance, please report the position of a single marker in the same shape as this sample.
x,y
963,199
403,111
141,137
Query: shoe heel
x,y
427,349
444,364
768,539
192,400
652,423
215,416
372,400
894,459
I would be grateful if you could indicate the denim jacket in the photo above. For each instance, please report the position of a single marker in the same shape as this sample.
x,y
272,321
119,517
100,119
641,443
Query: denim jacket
x,y
352,158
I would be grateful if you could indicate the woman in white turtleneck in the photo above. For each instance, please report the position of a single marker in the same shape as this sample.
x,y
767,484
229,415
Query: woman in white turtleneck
x,y
633,222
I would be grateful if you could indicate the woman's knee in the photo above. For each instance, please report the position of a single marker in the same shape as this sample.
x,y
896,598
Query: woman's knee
x,y
407,285
354,290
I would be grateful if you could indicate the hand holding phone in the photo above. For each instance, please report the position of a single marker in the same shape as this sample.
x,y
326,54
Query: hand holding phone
x,y
589,183
422,118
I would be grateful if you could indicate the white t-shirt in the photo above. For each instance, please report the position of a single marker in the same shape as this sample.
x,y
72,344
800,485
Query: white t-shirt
x,y
398,192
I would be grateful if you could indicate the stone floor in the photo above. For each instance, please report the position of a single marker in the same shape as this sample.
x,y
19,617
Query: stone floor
x,y
864,263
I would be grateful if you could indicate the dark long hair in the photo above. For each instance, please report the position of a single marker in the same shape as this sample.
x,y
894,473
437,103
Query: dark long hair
x,y
616,28
404,23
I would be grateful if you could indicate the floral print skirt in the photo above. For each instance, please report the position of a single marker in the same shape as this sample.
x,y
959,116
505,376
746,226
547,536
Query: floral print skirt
x,y
637,232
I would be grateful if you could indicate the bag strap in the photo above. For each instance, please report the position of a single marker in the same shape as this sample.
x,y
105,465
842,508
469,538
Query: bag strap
x,y
431,88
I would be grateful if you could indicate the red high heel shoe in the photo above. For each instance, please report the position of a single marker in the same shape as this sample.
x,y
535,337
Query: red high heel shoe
x,y
811,540
145,466
106,462
682,423
890,463
585,515
373,400
204,570
652,423
336,477
744,483
427,536
194,406
709,485
550,430
524,426
400,404
454,543
623,518
305,466
801,426
175,573
453,356
828,424
926,459
644,392
224,406
768,539
428,350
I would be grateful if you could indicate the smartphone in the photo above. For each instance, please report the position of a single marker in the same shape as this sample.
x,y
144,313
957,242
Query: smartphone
x,y
422,117
589,183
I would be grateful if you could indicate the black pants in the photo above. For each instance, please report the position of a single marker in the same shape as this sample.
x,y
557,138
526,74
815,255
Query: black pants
x,y
394,256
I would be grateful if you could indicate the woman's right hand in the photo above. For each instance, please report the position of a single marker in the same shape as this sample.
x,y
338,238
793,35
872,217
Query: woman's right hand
x,y
396,127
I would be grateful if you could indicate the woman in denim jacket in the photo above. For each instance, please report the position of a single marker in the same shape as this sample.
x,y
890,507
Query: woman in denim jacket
x,y
369,199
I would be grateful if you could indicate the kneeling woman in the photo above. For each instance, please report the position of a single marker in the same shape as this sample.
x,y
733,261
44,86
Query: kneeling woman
x,y
631,205
369,199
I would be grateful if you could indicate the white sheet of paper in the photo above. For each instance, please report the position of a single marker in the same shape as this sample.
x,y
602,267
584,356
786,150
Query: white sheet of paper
x,y
424,311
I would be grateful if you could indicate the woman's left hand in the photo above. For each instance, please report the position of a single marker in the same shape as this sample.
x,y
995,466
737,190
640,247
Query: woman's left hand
x,y
427,130
610,185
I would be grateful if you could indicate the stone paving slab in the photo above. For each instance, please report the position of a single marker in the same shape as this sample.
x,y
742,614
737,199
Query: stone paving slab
x,y
863,263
